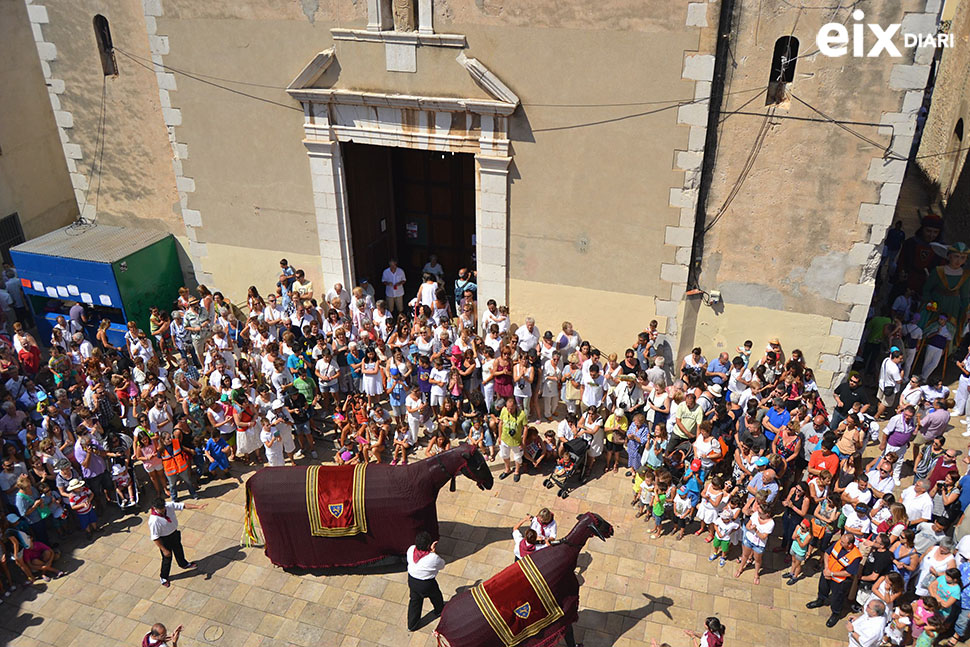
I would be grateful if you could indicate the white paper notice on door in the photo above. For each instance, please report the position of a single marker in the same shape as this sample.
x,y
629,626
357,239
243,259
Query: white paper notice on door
x,y
86,298
62,291
105,300
72,290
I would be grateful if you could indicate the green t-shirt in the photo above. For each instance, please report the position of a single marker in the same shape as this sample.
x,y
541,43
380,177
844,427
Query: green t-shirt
x,y
306,387
876,329
690,418
659,504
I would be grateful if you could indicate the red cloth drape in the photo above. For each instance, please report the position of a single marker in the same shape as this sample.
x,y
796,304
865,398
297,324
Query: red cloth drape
x,y
335,500
517,602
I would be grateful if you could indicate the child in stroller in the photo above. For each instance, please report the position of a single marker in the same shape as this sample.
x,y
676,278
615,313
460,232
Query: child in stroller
x,y
571,466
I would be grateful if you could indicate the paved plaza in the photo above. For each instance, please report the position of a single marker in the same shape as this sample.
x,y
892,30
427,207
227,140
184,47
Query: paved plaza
x,y
634,588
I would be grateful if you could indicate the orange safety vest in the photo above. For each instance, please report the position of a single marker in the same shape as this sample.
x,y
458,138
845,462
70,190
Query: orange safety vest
x,y
840,564
174,463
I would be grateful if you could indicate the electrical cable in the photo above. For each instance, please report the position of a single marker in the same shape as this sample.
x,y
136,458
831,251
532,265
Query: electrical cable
x,y
97,194
208,76
887,152
746,169
82,222
646,113
201,80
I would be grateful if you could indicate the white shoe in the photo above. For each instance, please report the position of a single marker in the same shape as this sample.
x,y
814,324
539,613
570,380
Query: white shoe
x,y
966,433
298,454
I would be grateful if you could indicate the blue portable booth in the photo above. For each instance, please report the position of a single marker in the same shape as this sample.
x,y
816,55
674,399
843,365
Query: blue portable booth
x,y
117,273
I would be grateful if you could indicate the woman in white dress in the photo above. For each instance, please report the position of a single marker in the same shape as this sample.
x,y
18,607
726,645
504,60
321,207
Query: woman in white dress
x,y
713,500
247,429
373,383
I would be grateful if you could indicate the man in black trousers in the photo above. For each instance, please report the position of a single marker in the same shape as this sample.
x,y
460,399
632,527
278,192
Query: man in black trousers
x,y
424,564
163,527
841,562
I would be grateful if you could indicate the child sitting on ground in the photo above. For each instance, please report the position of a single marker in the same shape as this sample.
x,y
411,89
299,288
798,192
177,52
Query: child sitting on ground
x,y
439,443
402,444
217,450
476,436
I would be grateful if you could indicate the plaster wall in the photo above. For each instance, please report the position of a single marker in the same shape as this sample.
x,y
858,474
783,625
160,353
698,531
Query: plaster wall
x,y
808,219
34,179
137,182
582,193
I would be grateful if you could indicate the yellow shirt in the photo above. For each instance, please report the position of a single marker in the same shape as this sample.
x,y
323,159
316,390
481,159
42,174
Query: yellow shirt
x,y
512,427
616,428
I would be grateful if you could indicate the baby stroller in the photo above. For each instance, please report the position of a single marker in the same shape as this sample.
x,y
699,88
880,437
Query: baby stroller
x,y
575,475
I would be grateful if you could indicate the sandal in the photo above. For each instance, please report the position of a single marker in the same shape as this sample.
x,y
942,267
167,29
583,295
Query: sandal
x,y
709,539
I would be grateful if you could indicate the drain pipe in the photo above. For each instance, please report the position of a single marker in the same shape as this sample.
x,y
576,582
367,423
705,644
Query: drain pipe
x,y
721,56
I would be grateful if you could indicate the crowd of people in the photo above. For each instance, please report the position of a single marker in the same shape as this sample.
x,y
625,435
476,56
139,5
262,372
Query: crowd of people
x,y
722,449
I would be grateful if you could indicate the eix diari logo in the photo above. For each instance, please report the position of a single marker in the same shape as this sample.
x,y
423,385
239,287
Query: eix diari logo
x,y
833,39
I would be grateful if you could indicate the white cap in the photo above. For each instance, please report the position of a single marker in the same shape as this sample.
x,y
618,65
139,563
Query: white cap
x,y
236,383
277,404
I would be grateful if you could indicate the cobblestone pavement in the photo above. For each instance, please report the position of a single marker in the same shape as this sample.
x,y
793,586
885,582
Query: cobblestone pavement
x,y
634,588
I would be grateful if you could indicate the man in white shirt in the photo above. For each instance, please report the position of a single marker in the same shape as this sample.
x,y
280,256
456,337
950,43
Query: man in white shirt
x,y
338,292
393,279
273,316
918,502
890,382
491,315
593,388
160,416
163,529
856,492
881,480
866,629
528,335
424,564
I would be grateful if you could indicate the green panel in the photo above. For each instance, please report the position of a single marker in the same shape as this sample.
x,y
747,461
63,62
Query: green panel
x,y
151,276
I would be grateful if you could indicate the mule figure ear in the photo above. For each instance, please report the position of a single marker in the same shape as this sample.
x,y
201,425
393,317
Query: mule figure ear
x,y
451,488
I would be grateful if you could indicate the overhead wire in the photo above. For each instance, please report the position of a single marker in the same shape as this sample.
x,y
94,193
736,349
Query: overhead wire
x,y
205,81
95,163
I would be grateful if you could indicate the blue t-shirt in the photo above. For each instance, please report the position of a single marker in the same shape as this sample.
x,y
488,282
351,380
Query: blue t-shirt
x,y
354,359
294,362
965,578
758,484
717,367
964,486
778,419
